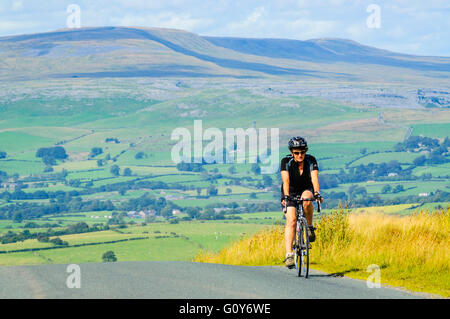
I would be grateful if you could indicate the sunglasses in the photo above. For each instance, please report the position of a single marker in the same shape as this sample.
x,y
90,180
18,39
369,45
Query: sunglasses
x,y
298,153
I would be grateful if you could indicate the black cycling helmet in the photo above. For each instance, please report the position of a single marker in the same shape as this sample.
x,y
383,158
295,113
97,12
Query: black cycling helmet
x,y
298,142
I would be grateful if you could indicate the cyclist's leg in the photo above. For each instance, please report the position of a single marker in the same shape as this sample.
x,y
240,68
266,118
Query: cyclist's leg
x,y
289,232
308,206
309,210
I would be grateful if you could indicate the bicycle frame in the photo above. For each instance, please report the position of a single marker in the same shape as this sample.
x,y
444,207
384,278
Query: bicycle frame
x,y
301,248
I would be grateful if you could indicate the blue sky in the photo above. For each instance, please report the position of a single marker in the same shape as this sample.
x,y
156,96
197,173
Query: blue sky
x,y
408,26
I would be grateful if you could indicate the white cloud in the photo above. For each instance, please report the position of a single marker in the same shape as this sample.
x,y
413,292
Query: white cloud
x,y
255,16
356,31
151,5
396,33
306,28
259,24
251,20
164,20
17,5
17,27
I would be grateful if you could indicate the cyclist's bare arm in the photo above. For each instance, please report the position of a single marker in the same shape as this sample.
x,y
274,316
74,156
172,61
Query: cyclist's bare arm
x,y
285,179
315,182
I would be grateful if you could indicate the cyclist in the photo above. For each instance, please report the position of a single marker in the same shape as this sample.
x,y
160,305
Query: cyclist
x,y
300,176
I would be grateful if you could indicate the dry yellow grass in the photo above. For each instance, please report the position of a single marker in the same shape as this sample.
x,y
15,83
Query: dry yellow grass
x,y
412,251
263,248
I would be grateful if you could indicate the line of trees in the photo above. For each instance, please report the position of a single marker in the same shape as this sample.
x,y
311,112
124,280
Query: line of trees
x,y
12,237
362,199
362,173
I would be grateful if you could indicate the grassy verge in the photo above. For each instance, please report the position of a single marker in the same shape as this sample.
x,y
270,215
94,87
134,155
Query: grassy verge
x,y
412,251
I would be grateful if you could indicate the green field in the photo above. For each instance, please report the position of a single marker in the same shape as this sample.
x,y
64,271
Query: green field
x,y
440,170
436,130
183,241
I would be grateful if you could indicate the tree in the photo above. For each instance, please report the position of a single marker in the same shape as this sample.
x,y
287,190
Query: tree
x,y
57,152
127,172
212,191
58,242
99,162
393,166
386,189
193,212
355,190
18,217
78,228
3,175
208,214
232,169
426,176
115,170
446,142
434,158
48,160
267,181
140,155
419,161
256,169
95,151
161,202
397,189
109,256
166,212
2,154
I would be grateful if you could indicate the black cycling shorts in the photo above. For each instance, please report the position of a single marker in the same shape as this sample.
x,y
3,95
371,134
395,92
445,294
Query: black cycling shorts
x,y
294,204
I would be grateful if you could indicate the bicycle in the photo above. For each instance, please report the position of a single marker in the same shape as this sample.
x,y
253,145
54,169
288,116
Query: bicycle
x,y
301,243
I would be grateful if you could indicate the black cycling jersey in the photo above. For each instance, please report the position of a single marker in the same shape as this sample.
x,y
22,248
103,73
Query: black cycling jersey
x,y
298,183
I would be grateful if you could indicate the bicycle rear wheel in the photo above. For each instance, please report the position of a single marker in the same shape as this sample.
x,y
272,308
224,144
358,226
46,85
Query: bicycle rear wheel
x,y
297,251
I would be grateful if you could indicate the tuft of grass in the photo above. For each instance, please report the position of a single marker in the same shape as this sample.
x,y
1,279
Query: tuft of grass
x,y
411,251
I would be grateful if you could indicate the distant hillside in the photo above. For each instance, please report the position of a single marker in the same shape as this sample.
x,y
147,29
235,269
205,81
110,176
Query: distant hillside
x,y
329,51
157,52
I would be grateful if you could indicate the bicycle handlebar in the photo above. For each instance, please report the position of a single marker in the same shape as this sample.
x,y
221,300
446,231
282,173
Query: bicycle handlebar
x,y
298,198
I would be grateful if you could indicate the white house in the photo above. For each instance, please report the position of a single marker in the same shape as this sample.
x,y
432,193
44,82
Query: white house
x,y
392,174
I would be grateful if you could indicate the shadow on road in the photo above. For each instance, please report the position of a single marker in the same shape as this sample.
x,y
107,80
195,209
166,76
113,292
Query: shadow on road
x,y
336,274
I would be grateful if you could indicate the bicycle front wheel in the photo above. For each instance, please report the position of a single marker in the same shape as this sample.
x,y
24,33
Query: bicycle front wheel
x,y
303,255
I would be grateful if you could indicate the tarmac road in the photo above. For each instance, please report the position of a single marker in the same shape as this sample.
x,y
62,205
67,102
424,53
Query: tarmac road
x,y
170,279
